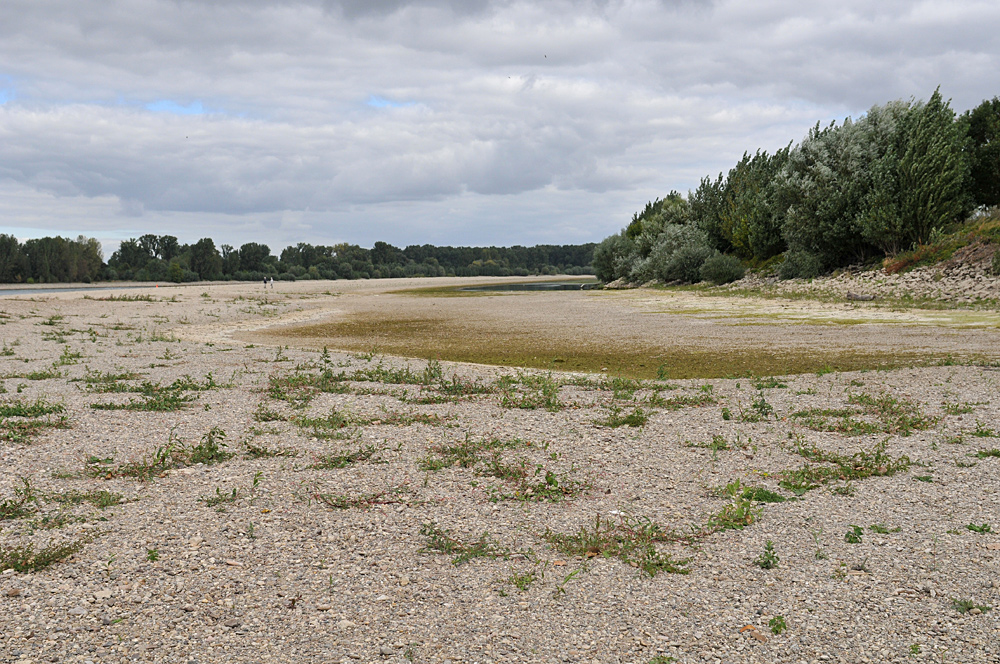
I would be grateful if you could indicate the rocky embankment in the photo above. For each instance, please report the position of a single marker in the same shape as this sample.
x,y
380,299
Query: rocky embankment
x,y
966,279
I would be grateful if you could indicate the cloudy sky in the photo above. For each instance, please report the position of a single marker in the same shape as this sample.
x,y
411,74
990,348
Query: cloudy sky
x,y
435,121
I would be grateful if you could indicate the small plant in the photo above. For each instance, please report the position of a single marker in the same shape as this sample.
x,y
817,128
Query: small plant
x,y
441,540
345,459
25,559
219,498
637,418
210,449
964,606
777,625
853,536
985,528
25,502
397,495
522,581
152,555
100,499
983,431
726,414
768,559
843,490
883,529
632,540
759,409
914,649
983,454
923,478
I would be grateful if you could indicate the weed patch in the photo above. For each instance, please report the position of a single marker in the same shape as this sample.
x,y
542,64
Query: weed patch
x,y
631,539
863,464
441,541
24,503
26,559
397,495
345,459
529,392
637,418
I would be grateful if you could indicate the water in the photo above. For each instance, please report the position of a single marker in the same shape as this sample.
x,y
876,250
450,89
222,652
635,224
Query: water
x,y
535,286
31,290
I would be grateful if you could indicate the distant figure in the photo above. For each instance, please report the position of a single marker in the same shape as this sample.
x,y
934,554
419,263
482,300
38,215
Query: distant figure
x,y
272,283
265,283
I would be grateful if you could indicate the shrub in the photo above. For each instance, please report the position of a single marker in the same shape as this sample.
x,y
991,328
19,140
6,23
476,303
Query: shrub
x,y
800,265
996,262
722,269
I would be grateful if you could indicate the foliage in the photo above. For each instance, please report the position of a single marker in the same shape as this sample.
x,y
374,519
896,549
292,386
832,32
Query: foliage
x,y
722,269
983,126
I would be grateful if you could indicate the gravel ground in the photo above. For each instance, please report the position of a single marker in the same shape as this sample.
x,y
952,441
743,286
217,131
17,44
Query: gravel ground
x,y
379,510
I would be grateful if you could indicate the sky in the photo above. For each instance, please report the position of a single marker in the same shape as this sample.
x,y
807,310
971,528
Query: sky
x,y
445,122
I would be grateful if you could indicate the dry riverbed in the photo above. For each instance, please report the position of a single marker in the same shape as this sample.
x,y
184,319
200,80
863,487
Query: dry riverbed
x,y
186,476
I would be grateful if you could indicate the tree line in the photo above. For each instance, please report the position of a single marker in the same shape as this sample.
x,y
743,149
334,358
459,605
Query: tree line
x,y
164,258
849,193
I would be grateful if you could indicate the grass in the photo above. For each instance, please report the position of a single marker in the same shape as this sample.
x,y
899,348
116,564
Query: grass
x,y
529,481
24,503
984,454
964,606
872,462
211,449
396,495
261,452
442,541
37,409
885,413
529,392
121,298
631,539
637,418
345,459
25,559
467,453
99,498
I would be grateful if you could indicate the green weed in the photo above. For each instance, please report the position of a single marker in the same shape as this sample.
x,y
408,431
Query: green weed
x,y
24,559
966,605
632,540
345,459
24,503
397,495
637,418
441,541
768,559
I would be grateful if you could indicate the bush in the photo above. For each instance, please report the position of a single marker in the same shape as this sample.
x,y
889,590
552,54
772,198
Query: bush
x,y
722,269
685,263
800,265
996,262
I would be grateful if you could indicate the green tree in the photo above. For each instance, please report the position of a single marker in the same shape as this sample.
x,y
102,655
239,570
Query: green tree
x,y
13,262
205,259
752,211
983,127
919,182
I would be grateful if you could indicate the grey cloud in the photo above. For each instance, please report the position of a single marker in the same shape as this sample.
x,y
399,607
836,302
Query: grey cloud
x,y
512,101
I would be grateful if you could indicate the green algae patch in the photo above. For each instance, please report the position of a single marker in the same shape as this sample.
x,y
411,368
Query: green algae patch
x,y
441,338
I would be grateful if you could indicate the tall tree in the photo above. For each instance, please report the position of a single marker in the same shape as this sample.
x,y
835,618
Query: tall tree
x,y
983,127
